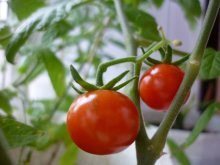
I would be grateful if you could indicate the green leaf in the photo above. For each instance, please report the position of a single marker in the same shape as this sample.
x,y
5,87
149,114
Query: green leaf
x,y
32,73
5,102
29,61
5,34
40,20
192,10
17,133
31,67
39,110
201,123
18,39
9,93
178,153
55,69
54,133
23,8
143,23
58,29
132,2
157,3
210,64
69,157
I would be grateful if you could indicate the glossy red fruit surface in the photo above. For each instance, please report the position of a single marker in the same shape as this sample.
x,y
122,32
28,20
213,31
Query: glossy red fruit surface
x,y
159,85
103,122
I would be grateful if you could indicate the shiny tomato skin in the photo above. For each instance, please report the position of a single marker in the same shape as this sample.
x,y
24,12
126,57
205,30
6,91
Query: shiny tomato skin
x,y
159,85
103,122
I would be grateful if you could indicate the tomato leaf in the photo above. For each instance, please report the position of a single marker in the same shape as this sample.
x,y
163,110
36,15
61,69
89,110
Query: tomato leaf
x,y
55,69
53,134
132,2
210,64
192,10
157,3
201,123
33,72
58,29
69,157
18,134
140,21
178,153
5,102
38,21
23,8
30,68
5,34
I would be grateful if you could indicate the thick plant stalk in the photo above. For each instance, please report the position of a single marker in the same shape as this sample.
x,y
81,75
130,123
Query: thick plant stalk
x,y
144,151
192,71
149,150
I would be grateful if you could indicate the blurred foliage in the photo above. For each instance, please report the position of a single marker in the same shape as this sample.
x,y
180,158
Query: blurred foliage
x,y
46,36
210,64
178,150
18,134
23,8
178,153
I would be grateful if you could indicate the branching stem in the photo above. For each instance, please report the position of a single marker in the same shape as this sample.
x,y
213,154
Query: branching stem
x,y
149,150
192,71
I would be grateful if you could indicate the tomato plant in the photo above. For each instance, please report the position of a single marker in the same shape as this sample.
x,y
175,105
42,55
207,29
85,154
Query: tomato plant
x,y
159,85
103,122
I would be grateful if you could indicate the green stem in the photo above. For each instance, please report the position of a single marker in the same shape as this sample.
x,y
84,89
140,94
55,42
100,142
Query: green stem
x,y
127,33
98,39
146,43
58,102
103,67
192,71
21,81
3,69
150,51
144,152
132,59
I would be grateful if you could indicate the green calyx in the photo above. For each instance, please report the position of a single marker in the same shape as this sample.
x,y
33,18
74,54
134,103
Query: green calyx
x,y
166,57
86,86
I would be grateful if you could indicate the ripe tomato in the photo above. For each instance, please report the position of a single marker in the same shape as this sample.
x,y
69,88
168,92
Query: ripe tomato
x,y
103,122
159,84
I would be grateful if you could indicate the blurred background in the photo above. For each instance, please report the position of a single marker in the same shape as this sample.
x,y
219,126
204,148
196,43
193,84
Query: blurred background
x,y
48,36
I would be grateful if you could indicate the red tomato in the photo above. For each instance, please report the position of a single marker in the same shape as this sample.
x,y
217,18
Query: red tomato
x,y
159,84
103,122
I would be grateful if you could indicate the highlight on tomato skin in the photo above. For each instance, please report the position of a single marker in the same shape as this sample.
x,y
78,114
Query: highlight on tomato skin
x,y
103,122
159,85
